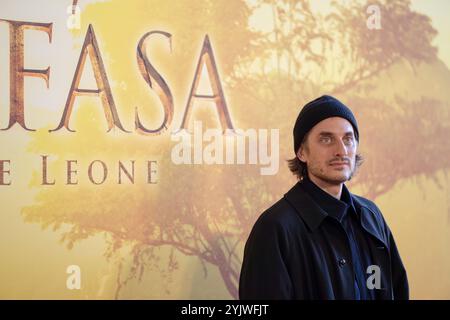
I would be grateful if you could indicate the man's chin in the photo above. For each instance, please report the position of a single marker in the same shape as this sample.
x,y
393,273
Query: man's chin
x,y
338,178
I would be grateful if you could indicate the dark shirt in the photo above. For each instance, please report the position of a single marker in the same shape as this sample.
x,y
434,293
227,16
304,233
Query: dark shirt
x,y
344,213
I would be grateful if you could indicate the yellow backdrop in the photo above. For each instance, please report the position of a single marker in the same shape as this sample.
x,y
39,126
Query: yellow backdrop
x,y
176,231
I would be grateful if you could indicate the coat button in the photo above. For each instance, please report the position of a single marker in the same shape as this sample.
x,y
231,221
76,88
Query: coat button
x,y
342,262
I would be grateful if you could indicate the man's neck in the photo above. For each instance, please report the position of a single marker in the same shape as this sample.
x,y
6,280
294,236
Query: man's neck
x,y
334,190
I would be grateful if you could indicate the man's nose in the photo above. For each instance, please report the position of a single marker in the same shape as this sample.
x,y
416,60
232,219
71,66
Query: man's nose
x,y
341,148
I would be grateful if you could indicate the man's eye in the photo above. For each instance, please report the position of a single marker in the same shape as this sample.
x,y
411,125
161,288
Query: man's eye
x,y
325,139
348,140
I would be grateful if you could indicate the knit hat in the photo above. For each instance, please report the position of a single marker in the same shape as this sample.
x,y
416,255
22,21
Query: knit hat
x,y
317,110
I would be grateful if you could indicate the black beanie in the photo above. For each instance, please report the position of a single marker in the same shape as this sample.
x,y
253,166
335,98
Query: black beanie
x,y
317,110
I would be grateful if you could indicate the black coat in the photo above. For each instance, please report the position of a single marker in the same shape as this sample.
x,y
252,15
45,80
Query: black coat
x,y
295,252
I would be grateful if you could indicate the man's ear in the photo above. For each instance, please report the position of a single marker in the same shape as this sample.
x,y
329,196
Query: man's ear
x,y
301,154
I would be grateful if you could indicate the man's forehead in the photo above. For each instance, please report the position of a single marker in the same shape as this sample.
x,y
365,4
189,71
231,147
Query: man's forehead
x,y
333,125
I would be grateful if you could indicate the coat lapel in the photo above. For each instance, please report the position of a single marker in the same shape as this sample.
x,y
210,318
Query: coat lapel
x,y
308,210
371,222
313,215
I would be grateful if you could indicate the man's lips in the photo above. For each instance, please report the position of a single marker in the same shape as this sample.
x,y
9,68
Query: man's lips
x,y
339,164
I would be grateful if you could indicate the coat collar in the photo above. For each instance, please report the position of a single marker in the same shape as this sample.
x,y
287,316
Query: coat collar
x,y
336,208
313,215
303,203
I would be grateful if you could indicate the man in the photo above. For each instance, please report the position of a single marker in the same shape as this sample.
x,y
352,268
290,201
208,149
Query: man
x,y
320,241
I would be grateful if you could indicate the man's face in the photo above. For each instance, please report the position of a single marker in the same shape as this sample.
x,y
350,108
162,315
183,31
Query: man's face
x,y
330,151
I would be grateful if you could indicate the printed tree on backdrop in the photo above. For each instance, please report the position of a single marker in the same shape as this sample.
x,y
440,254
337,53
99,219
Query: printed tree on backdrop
x,y
207,211
338,54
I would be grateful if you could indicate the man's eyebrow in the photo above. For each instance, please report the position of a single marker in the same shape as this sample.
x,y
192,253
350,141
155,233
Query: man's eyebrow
x,y
330,134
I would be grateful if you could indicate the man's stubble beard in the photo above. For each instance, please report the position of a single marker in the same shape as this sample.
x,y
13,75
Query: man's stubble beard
x,y
330,180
